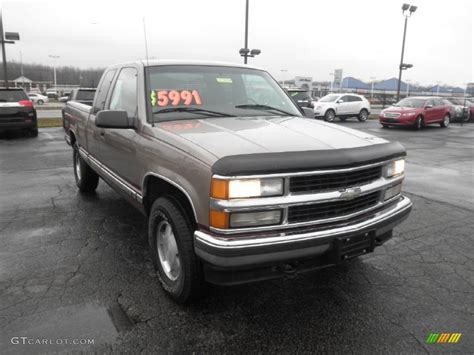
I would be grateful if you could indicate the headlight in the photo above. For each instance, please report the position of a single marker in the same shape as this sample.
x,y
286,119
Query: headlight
x,y
392,192
246,188
395,168
408,114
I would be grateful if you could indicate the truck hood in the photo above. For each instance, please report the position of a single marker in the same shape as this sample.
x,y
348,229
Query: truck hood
x,y
228,136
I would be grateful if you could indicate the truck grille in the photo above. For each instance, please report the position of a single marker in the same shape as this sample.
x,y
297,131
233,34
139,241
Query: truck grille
x,y
334,181
333,209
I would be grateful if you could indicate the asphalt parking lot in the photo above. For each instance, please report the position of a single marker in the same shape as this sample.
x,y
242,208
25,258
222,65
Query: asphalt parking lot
x,y
77,267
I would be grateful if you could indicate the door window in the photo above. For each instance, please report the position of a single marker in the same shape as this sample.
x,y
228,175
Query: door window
x,y
124,96
345,98
103,90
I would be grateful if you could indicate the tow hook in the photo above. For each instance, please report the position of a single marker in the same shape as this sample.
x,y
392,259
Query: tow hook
x,y
287,268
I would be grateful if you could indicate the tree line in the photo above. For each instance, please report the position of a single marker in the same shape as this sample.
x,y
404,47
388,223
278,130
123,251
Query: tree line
x,y
64,75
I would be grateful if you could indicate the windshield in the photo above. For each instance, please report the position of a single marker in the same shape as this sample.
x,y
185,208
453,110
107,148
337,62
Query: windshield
x,y
183,92
329,98
414,103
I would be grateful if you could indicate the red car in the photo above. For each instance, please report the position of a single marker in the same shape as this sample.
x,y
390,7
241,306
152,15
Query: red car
x,y
416,112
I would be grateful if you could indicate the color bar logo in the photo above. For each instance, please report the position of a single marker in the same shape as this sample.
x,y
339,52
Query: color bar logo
x,y
443,338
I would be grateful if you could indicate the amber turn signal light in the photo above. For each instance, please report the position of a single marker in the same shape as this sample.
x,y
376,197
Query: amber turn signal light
x,y
219,219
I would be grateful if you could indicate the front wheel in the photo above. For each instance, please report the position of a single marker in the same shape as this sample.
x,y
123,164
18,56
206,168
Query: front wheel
x,y
86,178
40,102
170,236
445,122
363,115
330,116
419,123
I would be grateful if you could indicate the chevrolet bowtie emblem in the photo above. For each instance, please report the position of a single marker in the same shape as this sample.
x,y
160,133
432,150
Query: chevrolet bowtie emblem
x,y
350,194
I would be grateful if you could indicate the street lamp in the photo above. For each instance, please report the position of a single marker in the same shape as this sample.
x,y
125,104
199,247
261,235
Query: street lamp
x,y
246,52
407,11
437,87
8,37
54,66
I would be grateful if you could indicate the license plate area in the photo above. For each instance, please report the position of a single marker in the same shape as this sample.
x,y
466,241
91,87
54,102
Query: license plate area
x,y
349,247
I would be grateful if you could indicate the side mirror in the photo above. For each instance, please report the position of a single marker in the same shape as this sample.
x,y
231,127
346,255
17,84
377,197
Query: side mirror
x,y
339,101
428,106
113,119
308,112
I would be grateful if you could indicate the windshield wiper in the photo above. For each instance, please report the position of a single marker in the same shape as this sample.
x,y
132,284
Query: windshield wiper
x,y
193,110
263,108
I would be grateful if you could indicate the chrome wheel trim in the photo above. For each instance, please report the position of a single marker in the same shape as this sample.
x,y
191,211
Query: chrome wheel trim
x,y
77,167
331,116
167,249
446,120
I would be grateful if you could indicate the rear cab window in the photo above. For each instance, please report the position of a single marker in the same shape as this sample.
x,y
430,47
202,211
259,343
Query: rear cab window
x,y
85,95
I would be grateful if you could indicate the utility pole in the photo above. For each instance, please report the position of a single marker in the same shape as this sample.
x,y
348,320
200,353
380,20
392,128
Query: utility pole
x,y
4,55
54,67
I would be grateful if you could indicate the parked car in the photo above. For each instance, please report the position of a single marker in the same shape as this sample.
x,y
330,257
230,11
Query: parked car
x,y
38,98
416,112
461,108
302,97
65,97
234,189
52,94
343,106
17,111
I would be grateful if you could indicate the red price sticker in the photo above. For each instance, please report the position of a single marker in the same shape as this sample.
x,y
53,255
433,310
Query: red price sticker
x,y
175,98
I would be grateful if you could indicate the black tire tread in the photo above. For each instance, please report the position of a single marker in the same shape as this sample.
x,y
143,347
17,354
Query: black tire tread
x,y
192,286
89,179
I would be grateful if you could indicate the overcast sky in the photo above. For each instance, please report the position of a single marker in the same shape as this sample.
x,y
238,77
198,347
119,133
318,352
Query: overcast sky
x,y
303,37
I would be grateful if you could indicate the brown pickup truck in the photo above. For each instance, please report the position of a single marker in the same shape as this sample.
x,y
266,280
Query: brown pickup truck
x,y
237,184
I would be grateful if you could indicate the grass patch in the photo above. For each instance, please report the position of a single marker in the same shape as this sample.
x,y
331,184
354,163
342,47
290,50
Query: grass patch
x,y
50,122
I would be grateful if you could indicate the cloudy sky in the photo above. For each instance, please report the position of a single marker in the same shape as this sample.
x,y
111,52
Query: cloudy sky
x,y
296,37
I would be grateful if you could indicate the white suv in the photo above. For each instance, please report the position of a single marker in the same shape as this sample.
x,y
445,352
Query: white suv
x,y
343,106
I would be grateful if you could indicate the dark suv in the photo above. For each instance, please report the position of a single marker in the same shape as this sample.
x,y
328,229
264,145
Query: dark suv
x,y
17,111
302,97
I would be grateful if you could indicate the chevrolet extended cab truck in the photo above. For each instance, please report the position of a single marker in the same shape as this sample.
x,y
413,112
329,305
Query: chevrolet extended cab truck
x,y
236,183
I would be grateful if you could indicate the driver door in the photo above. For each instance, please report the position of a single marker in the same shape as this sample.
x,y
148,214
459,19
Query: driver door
x,y
343,106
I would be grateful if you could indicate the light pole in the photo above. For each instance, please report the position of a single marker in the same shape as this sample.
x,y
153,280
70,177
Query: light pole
x,y
407,11
7,37
408,86
437,87
246,52
372,90
332,81
54,67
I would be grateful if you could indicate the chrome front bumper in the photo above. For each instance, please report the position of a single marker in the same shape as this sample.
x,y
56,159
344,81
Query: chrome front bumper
x,y
234,251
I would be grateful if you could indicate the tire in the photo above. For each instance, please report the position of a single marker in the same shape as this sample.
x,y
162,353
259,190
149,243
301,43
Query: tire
x,y
330,115
445,122
40,102
170,231
363,115
419,123
86,178
34,132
